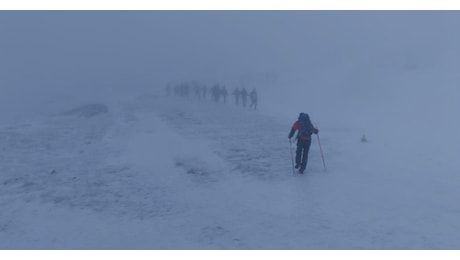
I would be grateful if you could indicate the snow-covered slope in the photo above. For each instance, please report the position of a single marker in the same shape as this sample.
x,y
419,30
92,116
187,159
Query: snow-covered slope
x,y
174,173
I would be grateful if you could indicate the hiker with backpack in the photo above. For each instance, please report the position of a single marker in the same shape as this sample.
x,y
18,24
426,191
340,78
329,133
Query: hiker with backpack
x,y
304,129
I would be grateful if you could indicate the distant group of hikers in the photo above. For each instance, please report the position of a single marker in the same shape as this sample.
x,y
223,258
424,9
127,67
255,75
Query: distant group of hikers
x,y
217,91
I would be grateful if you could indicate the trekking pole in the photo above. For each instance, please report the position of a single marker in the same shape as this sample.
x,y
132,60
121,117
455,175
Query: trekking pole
x,y
292,156
321,149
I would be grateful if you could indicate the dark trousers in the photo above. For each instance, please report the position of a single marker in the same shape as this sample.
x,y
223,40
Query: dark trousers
x,y
301,154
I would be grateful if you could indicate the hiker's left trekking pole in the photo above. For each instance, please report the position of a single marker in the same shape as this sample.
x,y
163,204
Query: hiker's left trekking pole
x,y
321,149
292,156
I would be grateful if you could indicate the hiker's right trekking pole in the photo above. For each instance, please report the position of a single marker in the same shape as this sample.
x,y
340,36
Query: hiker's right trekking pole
x,y
292,156
321,149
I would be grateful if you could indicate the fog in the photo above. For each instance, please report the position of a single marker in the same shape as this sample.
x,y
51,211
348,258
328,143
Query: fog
x,y
141,168
338,65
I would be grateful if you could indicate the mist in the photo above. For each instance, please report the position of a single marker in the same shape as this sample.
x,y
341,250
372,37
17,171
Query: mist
x,y
365,69
94,147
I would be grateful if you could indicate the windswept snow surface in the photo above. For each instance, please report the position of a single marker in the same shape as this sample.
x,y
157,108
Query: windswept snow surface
x,y
176,173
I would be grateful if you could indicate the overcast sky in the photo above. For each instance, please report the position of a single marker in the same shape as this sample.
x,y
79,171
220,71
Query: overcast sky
x,y
143,47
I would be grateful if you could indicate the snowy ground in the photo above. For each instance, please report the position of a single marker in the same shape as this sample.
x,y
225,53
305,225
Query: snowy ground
x,y
174,173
